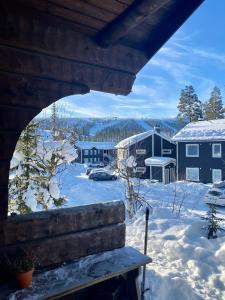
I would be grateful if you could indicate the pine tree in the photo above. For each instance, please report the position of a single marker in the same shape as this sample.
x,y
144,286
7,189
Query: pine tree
x,y
214,106
73,136
54,120
190,107
33,180
21,185
212,222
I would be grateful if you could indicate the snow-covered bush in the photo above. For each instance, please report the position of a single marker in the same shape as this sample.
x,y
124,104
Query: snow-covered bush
x,y
134,199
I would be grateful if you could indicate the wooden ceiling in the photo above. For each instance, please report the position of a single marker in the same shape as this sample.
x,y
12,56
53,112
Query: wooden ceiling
x,y
50,49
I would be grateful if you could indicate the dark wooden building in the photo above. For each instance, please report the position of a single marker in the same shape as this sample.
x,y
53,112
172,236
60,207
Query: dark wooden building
x,y
146,145
95,152
201,151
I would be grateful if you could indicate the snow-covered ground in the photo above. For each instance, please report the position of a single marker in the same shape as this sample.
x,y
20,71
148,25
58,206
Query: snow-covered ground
x,y
186,265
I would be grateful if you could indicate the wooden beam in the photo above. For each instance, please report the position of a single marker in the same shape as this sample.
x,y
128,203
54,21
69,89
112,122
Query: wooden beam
x,y
49,67
66,13
132,17
71,246
28,29
29,92
177,14
60,221
4,201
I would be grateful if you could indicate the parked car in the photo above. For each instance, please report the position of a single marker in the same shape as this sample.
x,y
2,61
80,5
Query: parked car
x,y
216,194
89,169
103,176
94,171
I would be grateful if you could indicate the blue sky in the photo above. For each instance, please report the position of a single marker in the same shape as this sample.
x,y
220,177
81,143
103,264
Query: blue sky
x,y
194,55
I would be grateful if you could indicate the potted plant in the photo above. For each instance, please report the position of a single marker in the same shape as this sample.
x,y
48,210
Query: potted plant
x,y
21,265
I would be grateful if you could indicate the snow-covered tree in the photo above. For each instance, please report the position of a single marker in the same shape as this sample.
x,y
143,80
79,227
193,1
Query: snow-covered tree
x,y
213,222
126,171
190,107
54,120
34,184
23,165
213,108
73,136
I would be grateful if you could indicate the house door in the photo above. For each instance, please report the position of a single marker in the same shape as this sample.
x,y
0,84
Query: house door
x,y
172,174
167,176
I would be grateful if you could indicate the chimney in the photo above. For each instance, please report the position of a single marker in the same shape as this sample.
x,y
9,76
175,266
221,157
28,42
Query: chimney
x,y
157,128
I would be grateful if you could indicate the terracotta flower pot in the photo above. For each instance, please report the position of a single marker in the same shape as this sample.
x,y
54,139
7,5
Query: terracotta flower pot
x,y
24,279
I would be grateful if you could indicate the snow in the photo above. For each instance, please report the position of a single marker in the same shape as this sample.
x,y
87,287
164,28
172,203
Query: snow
x,y
139,137
54,190
97,145
100,125
134,139
186,265
144,125
202,131
159,161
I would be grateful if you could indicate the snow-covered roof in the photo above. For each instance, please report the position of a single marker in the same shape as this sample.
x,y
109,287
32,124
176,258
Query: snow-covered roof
x,y
97,145
202,131
159,161
139,137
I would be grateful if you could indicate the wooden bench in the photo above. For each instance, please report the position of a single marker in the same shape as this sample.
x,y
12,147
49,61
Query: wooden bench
x,y
81,274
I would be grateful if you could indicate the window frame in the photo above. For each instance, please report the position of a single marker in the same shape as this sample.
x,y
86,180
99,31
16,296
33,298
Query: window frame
x,y
141,170
166,151
187,146
220,175
141,151
213,146
86,151
195,180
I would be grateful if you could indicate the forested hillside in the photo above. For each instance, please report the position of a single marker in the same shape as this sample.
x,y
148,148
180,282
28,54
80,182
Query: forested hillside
x,y
114,129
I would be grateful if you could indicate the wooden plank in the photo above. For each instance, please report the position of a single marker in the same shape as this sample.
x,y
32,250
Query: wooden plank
x,y
14,119
59,221
86,8
65,13
132,17
110,5
30,92
176,15
39,65
66,247
4,172
39,33
8,142
84,273
4,201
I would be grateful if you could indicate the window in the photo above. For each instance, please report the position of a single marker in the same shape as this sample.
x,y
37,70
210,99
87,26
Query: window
x,y
216,150
192,150
216,175
166,151
140,151
192,174
140,169
85,152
